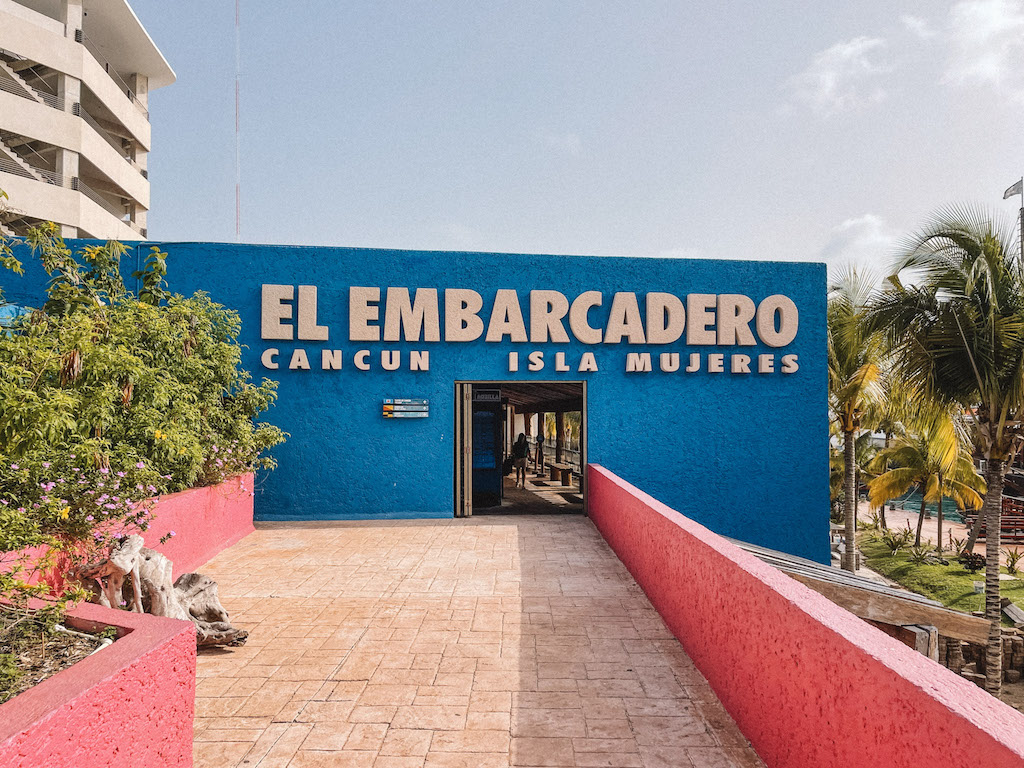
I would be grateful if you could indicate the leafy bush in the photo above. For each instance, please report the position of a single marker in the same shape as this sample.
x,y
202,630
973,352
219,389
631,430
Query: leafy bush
x,y
895,540
108,398
972,562
921,554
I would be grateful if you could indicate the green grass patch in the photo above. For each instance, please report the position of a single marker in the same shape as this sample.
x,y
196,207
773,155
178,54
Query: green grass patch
x,y
952,585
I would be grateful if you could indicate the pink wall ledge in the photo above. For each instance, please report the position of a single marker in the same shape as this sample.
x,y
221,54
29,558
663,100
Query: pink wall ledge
x,y
130,704
205,521
810,684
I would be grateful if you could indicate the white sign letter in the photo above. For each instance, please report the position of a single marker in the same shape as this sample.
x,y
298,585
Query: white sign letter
x,y
506,317
274,310
362,311
461,322
789,321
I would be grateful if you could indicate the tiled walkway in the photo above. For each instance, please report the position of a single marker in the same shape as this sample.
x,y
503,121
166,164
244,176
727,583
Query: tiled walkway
x,y
493,641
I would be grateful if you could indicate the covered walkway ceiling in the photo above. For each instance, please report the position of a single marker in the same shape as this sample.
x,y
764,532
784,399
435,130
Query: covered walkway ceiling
x,y
543,397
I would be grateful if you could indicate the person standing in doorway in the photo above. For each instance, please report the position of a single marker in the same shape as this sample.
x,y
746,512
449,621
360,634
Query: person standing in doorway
x,y
520,450
539,458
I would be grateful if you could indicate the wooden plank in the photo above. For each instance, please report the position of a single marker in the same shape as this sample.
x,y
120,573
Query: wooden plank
x,y
869,604
1015,614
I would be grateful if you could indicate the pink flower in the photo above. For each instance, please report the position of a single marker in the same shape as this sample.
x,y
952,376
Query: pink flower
x,y
104,471
120,474
140,465
110,506
89,519
15,466
46,465
171,533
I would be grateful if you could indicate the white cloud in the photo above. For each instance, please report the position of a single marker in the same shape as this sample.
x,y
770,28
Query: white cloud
x,y
864,241
919,27
987,45
843,77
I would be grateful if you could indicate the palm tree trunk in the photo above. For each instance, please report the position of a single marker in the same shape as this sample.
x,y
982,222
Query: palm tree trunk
x,y
972,535
920,521
882,520
849,560
993,509
940,515
856,492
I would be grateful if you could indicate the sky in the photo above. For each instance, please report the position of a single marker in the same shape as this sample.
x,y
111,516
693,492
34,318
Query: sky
x,y
788,130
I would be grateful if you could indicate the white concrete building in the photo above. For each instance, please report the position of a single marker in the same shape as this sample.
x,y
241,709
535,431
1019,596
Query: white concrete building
x,y
75,77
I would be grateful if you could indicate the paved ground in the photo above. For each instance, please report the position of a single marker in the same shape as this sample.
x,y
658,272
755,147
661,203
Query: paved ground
x,y
488,642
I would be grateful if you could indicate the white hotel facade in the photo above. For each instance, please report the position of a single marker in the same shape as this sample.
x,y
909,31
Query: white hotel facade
x,y
75,78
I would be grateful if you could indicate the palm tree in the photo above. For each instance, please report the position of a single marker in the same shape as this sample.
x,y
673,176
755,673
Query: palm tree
x,y
854,353
959,337
932,457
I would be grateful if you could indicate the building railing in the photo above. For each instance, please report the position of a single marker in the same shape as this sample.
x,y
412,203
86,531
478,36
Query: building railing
x,y
571,456
96,197
103,203
9,165
90,46
111,140
48,99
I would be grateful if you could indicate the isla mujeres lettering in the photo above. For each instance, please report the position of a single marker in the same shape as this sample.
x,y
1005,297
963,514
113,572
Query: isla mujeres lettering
x,y
456,315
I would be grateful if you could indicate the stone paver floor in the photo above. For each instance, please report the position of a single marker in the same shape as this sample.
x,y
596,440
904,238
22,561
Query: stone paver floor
x,y
497,641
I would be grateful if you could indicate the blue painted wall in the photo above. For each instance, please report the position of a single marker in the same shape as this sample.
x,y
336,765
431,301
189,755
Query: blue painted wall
x,y
744,454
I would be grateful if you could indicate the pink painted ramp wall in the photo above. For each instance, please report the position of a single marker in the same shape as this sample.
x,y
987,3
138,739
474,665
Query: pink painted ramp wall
x,y
130,704
205,521
810,684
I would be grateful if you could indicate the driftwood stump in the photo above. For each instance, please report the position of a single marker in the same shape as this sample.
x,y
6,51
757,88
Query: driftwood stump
x,y
193,597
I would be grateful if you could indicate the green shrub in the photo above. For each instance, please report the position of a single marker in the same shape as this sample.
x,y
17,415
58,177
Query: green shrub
x,y
1013,557
108,399
895,540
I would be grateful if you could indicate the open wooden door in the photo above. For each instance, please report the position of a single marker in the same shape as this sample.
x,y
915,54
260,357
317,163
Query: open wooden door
x,y
463,450
583,450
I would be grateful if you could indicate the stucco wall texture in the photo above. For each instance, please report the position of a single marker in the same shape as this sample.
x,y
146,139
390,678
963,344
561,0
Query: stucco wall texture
x,y
131,704
810,684
745,454
205,521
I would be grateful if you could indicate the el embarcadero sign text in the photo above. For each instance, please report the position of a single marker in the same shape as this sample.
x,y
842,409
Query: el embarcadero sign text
x,y
457,315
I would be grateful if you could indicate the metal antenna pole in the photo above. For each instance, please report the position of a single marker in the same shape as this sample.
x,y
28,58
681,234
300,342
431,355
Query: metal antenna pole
x,y
238,156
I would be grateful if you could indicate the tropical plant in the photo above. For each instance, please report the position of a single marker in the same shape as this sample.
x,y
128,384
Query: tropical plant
x,y
958,336
1013,557
895,540
920,554
932,457
972,562
957,545
854,354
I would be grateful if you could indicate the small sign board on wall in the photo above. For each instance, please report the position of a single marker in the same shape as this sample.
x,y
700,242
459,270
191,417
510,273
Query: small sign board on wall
x,y
399,408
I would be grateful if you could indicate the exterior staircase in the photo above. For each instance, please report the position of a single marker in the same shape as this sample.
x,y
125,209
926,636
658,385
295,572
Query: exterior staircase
x,y
12,82
12,162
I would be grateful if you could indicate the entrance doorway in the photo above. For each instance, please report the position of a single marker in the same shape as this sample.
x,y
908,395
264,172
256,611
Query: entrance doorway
x,y
490,416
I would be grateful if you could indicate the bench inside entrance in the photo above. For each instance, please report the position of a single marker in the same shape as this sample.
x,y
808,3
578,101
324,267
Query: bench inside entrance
x,y
561,471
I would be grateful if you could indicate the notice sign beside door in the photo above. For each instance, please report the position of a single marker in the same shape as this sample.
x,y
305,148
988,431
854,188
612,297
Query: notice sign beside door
x,y
396,408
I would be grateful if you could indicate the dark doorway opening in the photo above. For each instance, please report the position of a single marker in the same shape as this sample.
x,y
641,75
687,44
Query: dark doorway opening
x,y
489,417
